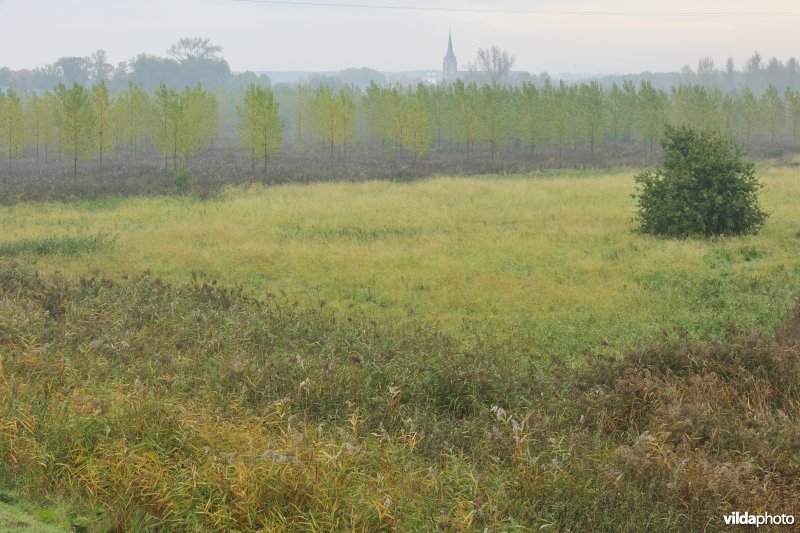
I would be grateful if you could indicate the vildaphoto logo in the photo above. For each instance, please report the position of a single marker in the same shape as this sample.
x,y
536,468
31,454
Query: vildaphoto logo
x,y
758,520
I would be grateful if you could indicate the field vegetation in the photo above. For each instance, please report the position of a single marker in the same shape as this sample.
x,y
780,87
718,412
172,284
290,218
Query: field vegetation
x,y
552,261
448,354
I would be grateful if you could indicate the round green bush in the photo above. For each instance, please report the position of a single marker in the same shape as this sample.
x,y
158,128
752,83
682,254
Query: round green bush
x,y
704,186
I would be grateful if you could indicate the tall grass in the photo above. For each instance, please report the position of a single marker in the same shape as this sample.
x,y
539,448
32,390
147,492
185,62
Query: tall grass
x,y
152,406
493,353
63,245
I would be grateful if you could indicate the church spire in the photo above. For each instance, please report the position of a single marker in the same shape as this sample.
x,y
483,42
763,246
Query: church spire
x,y
450,44
450,66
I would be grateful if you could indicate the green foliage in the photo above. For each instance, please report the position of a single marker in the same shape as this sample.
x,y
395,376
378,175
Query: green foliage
x,y
41,123
651,114
18,519
132,117
704,186
592,112
334,116
12,125
529,103
466,106
64,245
182,180
200,120
100,107
187,122
773,111
498,124
76,120
400,118
168,112
260,126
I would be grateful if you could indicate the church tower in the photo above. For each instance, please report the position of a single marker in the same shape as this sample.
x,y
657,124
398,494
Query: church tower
x,y
450,69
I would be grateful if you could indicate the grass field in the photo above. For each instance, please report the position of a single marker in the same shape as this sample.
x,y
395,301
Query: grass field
x,y
492,353
551,261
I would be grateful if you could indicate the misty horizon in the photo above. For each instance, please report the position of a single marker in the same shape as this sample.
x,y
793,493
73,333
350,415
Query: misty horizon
x,y
267,37
464,65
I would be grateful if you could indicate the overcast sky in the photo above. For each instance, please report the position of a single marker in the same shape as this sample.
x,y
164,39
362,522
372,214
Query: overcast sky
x,y
270,36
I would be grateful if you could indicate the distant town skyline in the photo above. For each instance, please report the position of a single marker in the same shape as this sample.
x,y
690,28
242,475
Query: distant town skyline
x,y
578,36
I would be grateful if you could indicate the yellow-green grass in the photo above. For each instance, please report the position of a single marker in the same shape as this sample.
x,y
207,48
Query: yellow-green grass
x,y
18,520
553,263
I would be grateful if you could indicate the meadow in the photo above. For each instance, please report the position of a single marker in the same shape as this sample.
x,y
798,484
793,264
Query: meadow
x,y
500,352
552,261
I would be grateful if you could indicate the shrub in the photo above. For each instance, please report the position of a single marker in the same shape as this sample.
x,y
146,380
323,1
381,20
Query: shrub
x,y
704,186
181,178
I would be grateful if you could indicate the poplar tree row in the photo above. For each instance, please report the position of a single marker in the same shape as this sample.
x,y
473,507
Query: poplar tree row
x,y
86,123
488,123
410,122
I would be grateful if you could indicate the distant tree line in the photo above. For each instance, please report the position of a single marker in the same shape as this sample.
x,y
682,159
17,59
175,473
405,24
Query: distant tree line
x,y
197,59
189,61
463,125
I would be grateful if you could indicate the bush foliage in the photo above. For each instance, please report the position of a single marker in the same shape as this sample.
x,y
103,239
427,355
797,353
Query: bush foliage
x,y
703,187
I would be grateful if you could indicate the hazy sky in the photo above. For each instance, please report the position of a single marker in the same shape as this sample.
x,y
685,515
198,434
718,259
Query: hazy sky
x,y
271,36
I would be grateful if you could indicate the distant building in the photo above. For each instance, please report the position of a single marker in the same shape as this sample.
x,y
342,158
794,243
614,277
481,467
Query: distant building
x,y
430,77
450,70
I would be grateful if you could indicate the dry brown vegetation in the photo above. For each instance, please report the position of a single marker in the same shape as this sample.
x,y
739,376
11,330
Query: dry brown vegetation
x,y
195,408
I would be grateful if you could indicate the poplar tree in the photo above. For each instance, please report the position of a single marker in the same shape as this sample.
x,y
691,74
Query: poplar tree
x,y
419,121
395,118
76,123
441,117
168,115
466,102
773,111
652,114
100,107
491,114
679,100
41,123
346,112
530,108
302,114
631,103
133,118
792,97
728,111
703,104
615,103
573,112
325,118
12,127
558,104
374,112
197,121
592,112
749,114
260,127
335,119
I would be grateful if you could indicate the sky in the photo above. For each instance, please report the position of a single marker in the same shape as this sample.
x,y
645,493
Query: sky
x,y
580,36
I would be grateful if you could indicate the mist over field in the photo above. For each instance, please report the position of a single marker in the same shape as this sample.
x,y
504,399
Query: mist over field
x,y
380,266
